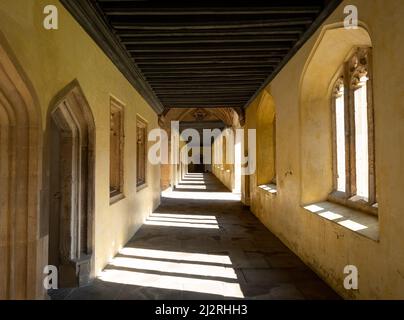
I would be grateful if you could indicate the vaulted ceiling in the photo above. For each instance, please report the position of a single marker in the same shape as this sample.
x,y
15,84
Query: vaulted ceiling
x,y
200,53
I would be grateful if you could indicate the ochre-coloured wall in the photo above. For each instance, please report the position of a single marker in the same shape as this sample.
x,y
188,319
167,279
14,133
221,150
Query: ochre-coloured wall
x,y
265,139
224,175
224,169
51,59
303,135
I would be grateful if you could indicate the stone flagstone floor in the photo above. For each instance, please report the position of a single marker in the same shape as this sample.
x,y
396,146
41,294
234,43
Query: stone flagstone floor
x,y
202,243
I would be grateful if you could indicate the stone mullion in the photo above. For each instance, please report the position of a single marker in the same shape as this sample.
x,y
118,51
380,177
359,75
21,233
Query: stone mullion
x,y
371,131
350,166
334,133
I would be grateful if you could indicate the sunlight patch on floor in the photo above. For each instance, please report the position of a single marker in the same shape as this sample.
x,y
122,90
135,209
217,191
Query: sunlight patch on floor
x,y
180,224
186,216
174,267
223,196
185,273
191,186
183,220
176,255
172,282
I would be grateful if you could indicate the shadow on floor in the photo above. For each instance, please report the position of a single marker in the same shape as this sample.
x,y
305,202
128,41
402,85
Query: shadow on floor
x,y
203,244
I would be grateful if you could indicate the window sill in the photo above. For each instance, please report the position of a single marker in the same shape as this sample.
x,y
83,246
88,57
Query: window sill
x,y
141,187
269,188
114,198
355,203
357,221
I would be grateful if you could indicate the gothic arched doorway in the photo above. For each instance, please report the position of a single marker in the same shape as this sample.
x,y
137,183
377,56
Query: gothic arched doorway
x,y
71,185
20,127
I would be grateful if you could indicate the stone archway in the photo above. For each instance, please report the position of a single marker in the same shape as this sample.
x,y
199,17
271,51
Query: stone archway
x,y
20,127
266,135
71,188
231,117
316,84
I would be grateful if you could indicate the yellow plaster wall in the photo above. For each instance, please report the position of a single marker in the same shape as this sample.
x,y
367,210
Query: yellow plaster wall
x,y
265,137
225,175
326,246
223,171
51,60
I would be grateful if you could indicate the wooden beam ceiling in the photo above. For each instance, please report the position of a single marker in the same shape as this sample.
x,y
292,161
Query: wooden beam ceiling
x,y
200,53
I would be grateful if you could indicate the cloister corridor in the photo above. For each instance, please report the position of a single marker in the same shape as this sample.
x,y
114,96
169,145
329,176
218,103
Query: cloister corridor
x,y
201,150
202,243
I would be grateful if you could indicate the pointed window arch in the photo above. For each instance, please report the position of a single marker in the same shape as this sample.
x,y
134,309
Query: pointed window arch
x,y
353,131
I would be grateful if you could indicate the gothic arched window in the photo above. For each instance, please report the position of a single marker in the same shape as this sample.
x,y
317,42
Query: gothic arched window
x,y
353,132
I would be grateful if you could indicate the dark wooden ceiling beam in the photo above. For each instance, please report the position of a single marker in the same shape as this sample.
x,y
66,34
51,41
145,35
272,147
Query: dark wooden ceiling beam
x,y
209,106
212,39
205,98
132,24
194,97
217,77
201,84
245,61
205,74
283,30
192,81
216,87
196,104
188,67
330,6
135,10
240,87
207,86
209,53
225,85
245,48
196,94
204,102
190,56
219,92
206,105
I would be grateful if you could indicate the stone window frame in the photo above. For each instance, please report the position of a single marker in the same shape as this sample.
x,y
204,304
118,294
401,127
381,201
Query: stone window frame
x,y
269,186
275,178
117,191
358,64
141,123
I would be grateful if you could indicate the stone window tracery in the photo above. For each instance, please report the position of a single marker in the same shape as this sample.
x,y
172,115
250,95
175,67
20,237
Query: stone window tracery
x,y
353,133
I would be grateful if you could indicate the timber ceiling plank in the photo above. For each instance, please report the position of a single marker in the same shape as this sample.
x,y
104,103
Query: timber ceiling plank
x,y
208,53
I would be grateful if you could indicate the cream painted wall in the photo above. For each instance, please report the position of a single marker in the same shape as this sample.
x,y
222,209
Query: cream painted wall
x,y
51,60
225,175
265,139
326,246
223,171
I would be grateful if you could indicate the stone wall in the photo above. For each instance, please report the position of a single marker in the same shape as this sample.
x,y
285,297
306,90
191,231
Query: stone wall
x,y
301,92
51,59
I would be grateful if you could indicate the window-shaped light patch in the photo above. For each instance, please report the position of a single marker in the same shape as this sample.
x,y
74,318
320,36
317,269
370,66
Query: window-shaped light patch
x,y
330,215
352,225
176,255
174,270
314,208
269,188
